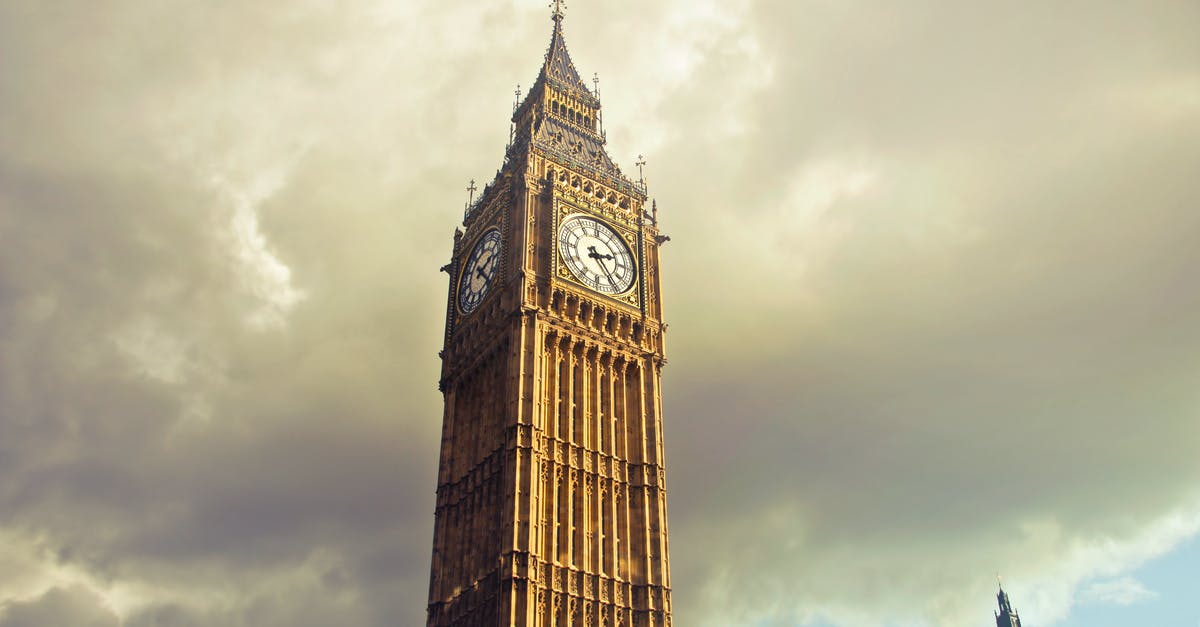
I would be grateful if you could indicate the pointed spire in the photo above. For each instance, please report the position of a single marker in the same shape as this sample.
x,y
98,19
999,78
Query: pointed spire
x,y
561,116
558,66
1007,616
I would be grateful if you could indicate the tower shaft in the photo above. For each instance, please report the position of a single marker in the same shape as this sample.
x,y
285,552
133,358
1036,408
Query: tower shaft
x,y
551,502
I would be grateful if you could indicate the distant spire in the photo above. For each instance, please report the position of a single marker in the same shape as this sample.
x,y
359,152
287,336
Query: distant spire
x,y
1007,616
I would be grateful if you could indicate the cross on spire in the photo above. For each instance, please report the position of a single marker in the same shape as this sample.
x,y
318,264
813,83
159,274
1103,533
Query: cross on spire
x,y
641,163
559,7
471,189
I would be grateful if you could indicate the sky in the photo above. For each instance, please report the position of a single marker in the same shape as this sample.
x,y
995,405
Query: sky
x,y
931,291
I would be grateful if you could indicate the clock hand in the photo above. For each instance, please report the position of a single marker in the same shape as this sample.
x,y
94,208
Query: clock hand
x,y
597,256
479,271
611,280
600,260
491,265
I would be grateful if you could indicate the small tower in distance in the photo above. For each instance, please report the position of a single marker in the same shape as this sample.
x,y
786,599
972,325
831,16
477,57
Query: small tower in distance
x,y
1007,616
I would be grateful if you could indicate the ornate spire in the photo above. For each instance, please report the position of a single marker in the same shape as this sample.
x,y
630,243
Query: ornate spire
x,y
560,116
558,67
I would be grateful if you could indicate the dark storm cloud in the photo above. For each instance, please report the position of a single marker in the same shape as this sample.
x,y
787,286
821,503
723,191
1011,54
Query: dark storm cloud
x,y
192,429
929,294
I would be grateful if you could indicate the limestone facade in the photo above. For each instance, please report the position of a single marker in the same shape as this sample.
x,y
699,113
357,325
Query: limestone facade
x,y
551,499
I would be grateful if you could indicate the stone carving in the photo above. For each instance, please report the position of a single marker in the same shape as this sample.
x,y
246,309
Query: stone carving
x,y
589,384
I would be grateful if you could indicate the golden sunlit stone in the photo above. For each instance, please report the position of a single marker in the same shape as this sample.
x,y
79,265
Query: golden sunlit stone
x,y
551,502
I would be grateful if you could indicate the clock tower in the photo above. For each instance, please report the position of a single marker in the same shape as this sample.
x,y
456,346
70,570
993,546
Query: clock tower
x,y
551,497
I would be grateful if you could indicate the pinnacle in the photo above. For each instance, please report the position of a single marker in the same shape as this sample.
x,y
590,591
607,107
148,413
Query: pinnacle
x,y
558,66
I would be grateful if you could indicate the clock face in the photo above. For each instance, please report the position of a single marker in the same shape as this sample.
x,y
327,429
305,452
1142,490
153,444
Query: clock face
x,y
479,271
596,255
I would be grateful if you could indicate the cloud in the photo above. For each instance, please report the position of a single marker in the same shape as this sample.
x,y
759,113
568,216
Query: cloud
x,y
989,349
929,288
1053,588
1123,591
74,606
189,395
263,274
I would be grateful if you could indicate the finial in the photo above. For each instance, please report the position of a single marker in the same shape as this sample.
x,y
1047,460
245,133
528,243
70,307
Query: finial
x,y
517,100
641,163
471,189
596,83
559,7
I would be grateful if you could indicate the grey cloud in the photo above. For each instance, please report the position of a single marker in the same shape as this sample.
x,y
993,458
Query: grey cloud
x,y
72,606
977,354
998,337
261,448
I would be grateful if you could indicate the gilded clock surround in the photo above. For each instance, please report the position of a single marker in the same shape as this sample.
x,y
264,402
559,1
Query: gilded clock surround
x,y
567,210
551,501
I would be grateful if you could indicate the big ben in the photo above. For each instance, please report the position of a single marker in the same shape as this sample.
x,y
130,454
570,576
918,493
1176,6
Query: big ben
x,y
551,497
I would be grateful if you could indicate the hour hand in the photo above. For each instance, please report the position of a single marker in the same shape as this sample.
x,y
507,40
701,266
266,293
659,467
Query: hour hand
x,y
595,255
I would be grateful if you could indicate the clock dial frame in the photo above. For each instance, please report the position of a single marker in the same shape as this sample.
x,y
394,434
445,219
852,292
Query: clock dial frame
x,y
479,271
597,255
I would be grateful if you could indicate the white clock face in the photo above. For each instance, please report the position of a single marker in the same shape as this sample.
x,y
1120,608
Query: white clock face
x,y
479,271
596,255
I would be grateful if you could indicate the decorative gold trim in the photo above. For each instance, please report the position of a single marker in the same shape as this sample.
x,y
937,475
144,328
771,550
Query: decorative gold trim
x,y
564,213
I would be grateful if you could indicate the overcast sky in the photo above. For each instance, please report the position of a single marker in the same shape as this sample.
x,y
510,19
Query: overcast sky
x,y
931,289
